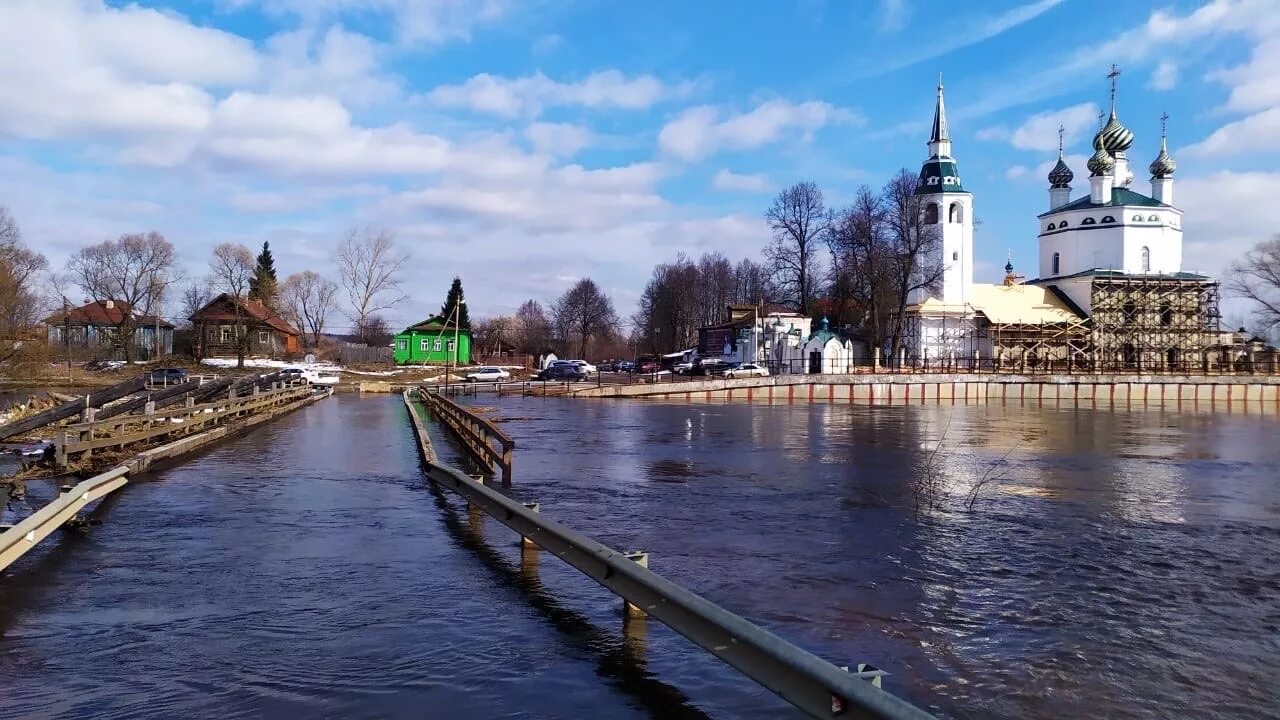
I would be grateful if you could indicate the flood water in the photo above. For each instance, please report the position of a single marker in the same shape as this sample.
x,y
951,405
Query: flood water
x,y
1113,564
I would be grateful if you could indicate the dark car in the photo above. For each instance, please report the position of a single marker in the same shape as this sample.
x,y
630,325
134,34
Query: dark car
x,y
168,376
562,372
626,366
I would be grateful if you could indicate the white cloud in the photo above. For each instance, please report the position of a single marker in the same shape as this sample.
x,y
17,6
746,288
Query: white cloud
x,y
1255,84
729,181
893,15
699,131
1254,134
1165,76
1222,220
485,93
560,139
1015,172
1040,132
432,22
339,63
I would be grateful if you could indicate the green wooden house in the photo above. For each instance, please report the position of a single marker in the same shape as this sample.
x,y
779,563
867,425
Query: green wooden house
x,y
431,341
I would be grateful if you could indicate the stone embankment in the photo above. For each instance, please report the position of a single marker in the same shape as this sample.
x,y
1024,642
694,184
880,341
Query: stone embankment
x,y
1256,393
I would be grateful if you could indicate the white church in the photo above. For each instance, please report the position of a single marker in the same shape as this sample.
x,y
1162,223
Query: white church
x,y
1110,294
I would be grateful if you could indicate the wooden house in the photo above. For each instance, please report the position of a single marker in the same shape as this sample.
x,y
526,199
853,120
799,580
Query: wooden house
x,y
432,341
93,329
220,325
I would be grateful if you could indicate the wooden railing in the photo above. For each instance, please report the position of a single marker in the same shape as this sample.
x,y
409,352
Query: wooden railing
x,y
482,438
81,439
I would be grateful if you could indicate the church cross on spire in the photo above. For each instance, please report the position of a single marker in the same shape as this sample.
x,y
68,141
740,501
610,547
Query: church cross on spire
x,y
940,131
1061,131
1115,73
1164,122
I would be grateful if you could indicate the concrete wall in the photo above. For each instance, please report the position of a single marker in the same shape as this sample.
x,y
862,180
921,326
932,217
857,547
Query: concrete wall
x,y
1245,393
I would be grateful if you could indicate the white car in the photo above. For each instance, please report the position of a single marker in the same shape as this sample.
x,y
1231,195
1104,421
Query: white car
x,y
583,365
747,370
487,374
682,368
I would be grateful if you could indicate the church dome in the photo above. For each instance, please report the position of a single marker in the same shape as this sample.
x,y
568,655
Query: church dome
x,y
1114,136
1101,163
1163,166
1061,176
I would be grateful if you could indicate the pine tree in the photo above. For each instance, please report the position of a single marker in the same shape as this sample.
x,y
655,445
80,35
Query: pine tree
x,y
263,285
451,301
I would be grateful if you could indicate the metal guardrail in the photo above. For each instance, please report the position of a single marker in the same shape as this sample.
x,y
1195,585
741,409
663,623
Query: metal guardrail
x,y
482,438
803,679
17,540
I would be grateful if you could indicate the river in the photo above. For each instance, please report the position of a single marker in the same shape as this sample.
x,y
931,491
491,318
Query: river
x,y
1113,564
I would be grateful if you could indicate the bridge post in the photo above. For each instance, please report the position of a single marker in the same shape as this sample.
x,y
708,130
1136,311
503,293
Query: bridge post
x,y
641,558
191,401
524,541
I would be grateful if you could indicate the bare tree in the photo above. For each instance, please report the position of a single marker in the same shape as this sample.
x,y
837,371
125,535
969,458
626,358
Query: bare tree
x,y
1256,278
584,313
19,299
369,266
375,331
492,334
309,298
916,259
669,305
862,264
532,328
230,271
194,297
799,221
751,283
132,273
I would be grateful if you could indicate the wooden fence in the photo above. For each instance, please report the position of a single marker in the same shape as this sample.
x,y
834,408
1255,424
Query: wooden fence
x,y
81,439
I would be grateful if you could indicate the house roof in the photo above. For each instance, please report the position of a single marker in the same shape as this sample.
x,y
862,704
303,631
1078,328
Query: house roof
x,y
1006,304
1120,274
1120,196
97,314
435,323
217,310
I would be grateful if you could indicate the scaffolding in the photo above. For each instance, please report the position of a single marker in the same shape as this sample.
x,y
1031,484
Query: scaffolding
x,y
1154,323
1041,346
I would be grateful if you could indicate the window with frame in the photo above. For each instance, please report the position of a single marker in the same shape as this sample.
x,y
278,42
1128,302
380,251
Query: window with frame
x,y
1146,259
226,334
402,345
1057,258
424,345
450,346
438,344
264,337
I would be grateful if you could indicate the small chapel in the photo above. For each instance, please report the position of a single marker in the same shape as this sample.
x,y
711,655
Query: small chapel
x,y
1110,292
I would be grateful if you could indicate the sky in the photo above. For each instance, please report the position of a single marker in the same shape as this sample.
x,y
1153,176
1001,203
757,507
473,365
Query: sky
x,y
525,144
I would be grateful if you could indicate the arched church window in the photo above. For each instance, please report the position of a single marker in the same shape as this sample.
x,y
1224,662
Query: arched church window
x,y
1108,219
1137,218
1146,259
1062,224
956,214
955,256
1056,262
1088,221
1153,218
1051,226
931,214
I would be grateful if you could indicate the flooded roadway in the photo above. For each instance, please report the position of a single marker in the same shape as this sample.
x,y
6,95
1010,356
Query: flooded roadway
x,y
1115,564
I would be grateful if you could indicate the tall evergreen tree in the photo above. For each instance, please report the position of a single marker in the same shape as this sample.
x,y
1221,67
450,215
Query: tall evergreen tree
x,y
452,300
263,285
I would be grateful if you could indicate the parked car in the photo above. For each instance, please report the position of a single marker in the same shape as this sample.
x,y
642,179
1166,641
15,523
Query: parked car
x,y
168,376
487,374
747,370
711,366
682,368
582,365
649,366
559,371
608,367
626,366
294,376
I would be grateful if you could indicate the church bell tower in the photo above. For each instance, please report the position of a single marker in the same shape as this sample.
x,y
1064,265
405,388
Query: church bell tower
x,y
948,211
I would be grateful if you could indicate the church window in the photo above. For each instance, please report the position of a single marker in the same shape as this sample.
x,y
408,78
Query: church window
x,y
956,214
1051,226
1062,224
1153,218
1088,221
1137,218
931,214
955,256
1166,314
1108,219
1146,259
1056,262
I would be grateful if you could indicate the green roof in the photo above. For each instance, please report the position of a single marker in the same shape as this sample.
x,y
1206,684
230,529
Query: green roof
x,y
1119,274
1119,197
939,175
433,324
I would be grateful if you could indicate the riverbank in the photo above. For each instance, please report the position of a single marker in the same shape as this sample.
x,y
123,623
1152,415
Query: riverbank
x,y
1245,392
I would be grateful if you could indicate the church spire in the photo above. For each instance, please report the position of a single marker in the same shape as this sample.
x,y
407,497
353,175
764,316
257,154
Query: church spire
x,y
940,138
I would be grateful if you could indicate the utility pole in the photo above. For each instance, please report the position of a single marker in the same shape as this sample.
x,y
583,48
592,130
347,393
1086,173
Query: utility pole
x,y
66,332
452,360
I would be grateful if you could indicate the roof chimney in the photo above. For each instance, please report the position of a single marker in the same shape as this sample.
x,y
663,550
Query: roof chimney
x,y
109,304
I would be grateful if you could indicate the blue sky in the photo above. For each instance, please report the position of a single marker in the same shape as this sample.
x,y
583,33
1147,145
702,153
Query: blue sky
x,y
524,145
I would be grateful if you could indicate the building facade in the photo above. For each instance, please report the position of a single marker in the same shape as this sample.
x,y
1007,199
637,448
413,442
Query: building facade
x,y
228,326
432,341
1112,294
95,330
